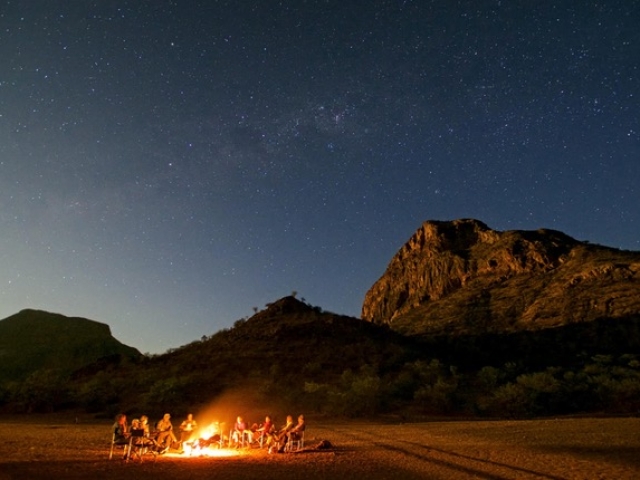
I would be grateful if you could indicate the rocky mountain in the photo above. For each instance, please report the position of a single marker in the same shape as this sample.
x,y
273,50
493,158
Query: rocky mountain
x,y
34,340
463,278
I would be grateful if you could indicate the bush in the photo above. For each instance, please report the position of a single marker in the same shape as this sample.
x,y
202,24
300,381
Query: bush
x,y
43,391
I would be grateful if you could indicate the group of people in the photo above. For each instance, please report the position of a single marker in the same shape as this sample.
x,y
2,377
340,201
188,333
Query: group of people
x,y
274,439
158,440
162,438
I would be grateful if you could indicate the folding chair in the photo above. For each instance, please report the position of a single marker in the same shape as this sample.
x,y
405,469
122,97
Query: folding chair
x,y
264,434
240,440
140,445
296,442
126,443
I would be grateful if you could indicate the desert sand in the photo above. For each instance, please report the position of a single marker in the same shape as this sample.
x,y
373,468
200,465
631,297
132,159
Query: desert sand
x,y
576,448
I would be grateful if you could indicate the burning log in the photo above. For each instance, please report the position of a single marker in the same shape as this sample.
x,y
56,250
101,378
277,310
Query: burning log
x,y
206,442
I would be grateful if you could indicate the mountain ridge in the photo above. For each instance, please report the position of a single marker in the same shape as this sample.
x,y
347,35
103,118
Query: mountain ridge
x,y
461,277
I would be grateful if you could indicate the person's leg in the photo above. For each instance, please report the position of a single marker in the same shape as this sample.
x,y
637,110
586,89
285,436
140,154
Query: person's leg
x,y
283,442
164,439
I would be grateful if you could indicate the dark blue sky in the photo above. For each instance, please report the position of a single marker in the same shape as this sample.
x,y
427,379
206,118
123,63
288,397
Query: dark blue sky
x,y
166,166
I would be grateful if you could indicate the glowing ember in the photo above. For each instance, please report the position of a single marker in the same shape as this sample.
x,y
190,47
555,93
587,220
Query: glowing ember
x,y
204,452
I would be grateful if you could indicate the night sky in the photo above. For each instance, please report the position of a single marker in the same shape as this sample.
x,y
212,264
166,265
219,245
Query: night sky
x,y
168,166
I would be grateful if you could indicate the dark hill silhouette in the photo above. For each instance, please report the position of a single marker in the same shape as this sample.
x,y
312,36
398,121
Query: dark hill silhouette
x,y
295,357
290,334
35,340
268,355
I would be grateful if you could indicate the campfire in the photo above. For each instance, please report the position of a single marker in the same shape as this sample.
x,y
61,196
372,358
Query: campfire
x,y
207,442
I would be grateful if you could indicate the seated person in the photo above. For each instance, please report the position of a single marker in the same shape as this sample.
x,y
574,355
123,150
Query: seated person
x,y
265,431
239,430
165,432
187,428
121,430
121,433
136,428
281,437
144,425
143,438
296,432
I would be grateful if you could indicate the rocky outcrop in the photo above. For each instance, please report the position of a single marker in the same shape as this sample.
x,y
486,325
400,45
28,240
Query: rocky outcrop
x,y
463,277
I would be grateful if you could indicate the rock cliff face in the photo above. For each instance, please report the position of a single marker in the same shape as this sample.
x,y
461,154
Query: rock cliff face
x,y
461,277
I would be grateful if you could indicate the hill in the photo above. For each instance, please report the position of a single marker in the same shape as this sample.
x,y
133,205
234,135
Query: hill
x,y
295,357
266,359
34,340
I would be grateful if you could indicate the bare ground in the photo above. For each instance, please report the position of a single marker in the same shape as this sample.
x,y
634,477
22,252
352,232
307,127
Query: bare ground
x,y
584,448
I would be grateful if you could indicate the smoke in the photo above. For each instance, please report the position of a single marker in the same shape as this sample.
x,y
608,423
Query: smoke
x,y
220,415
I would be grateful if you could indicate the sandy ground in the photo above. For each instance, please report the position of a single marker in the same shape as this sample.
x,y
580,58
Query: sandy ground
x,y
585,448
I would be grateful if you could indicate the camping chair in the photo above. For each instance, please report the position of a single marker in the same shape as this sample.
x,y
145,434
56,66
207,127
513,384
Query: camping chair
x,y
140,445
126,443
240,441
296,442
264,436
